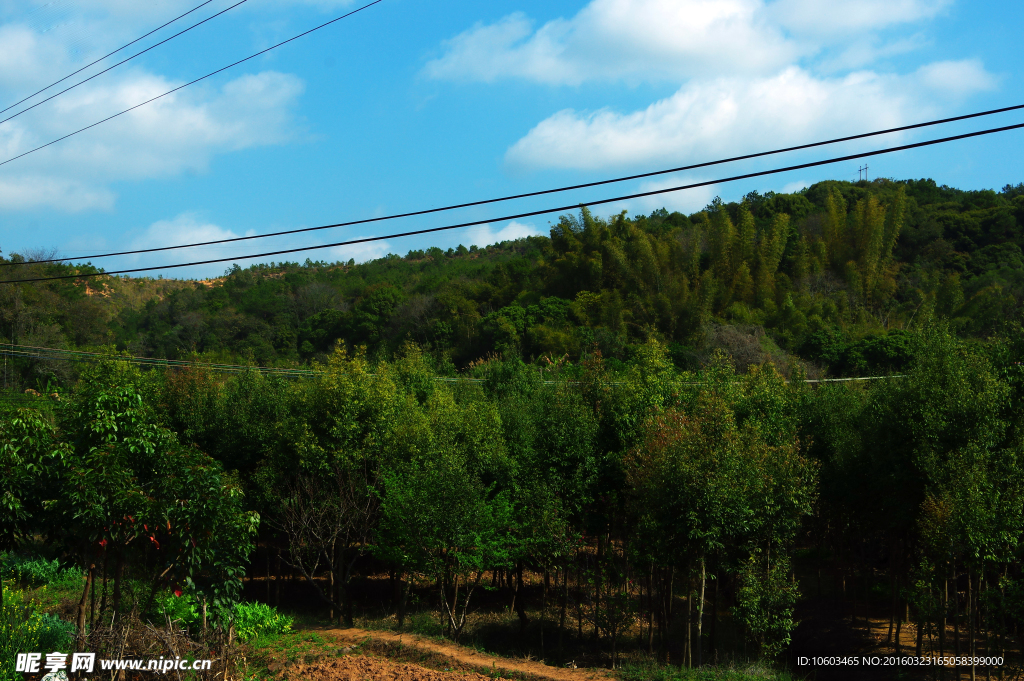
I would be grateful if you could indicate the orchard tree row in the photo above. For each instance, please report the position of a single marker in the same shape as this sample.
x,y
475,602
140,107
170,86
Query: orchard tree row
x,y
654,503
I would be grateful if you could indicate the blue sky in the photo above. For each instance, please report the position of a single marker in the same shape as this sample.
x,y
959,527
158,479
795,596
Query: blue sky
x,y
411,105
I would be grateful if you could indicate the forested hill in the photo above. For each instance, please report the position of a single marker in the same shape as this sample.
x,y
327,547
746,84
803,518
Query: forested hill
x,y
832,275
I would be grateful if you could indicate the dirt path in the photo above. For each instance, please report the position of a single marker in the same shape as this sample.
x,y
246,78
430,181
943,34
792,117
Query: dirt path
x,y
465,656
359,668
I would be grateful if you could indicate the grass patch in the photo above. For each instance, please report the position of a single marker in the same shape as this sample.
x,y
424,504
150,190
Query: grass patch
x,y
753,672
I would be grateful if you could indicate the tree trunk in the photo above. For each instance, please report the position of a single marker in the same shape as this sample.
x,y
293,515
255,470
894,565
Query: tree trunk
x,y
332,590
404,584
688,650
277,581
561,617
893,594
82,604
956,623
650,610
971,613
919,647
268,573
942,625
597,583
700,612
520,608
713,633
118,576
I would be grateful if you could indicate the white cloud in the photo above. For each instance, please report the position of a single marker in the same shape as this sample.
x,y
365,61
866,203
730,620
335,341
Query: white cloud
x,y
185,228
25,192
44,40
613,39
752,75
358,252
484,235
678,39
794,187
836,17
957,79
181,132
708,119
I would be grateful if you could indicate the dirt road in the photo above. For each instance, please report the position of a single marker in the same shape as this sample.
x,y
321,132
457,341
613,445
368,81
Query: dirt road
x,y
463,657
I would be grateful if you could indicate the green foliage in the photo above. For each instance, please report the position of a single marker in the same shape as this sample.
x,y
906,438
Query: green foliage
x,y
179,607
252,621
35,572
627,416
849,259
256,620
765,601
24,629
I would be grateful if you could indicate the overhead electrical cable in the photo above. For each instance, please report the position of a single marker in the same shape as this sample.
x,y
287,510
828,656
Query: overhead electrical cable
x,y
126,59
108,54
59,354
744,176
191,82
542,192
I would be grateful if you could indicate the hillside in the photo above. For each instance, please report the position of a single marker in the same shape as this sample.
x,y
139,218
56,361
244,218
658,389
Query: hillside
x,y
830,275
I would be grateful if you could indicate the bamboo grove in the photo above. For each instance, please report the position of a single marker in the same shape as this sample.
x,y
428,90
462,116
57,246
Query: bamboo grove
x,y
823,275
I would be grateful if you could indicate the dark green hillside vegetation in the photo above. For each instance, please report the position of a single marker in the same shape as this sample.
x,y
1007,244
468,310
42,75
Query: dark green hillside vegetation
x,y
827,275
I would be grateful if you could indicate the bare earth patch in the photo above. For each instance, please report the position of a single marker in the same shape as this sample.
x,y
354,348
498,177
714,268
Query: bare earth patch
x,y
462,658
359,668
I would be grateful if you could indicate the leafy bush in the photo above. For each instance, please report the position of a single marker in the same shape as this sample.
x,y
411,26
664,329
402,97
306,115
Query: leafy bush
x,y
24,629
37,571
253,620
183,608
55,633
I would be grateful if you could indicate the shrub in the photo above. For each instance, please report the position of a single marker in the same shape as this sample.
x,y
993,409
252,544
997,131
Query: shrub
x,y
254,620
55,633
183,608
37,571
24,629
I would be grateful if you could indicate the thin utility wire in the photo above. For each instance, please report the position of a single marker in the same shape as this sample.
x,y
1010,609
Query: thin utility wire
x,y
59,354
86,353
350,242
127,59
536,193
191,82
109,54
56,354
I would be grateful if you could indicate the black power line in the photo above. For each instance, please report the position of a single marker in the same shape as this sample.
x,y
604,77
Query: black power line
x,y
537,193
109,54
114,66
350,242
191,82
58,354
